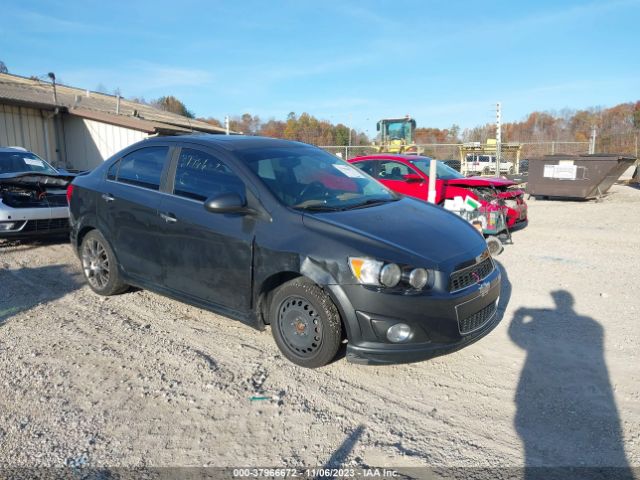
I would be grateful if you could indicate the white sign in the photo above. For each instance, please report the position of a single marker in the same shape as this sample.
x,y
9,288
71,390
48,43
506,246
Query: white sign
x,y
560,172
349,171
34,162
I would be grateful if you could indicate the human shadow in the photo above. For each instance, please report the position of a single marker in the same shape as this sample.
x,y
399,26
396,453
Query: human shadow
x,y
24,288
341,454
566,413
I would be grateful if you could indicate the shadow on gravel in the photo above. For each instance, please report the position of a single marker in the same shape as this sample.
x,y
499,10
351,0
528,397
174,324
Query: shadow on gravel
x,y
341,454
25,288
566,412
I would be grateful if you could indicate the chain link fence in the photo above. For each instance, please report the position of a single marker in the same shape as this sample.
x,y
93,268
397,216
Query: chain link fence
x,y
625,144
451,151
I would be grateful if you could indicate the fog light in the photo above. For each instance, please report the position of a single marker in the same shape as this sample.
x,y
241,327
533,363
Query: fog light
x,y
390,275
398,333
418,278
4,226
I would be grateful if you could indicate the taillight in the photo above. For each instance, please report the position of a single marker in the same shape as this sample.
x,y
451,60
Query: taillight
x,y
69,193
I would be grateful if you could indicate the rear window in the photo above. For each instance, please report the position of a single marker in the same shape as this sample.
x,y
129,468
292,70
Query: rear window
x,y
142,168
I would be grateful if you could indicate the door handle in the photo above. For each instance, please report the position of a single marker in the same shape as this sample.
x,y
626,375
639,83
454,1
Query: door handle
x,y
168,217
107,197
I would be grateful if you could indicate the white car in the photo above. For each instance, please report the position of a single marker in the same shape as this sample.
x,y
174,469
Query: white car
x,y
33,200
486,164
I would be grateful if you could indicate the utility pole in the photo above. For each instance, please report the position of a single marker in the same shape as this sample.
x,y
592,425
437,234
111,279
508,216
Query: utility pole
x,y
433,169
347,156
498,137
226,124
592,144
52,76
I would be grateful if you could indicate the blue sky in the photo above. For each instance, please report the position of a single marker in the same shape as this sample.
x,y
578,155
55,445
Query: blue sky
x,y
346,61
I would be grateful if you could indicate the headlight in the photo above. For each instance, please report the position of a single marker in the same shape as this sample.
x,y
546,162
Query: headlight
x,y
367,271
418,278
390,275
381,274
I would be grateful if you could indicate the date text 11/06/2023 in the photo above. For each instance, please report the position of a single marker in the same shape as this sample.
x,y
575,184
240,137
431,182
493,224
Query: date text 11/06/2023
x,y
314,472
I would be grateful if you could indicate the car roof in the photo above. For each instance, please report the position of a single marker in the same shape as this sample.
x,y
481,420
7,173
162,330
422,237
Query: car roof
x,y
229,142
13,149
392,156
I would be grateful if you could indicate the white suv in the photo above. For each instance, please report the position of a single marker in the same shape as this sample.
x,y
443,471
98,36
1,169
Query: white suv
x,y
486,164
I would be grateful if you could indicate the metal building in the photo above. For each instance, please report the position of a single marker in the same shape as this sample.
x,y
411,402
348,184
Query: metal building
x,y
79,129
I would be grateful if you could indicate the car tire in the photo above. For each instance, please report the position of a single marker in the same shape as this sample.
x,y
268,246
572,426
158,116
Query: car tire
x,y
99,265
305,323
494,245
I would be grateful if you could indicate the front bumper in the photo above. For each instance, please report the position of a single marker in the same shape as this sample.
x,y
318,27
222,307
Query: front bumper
x,y
441,322
32,222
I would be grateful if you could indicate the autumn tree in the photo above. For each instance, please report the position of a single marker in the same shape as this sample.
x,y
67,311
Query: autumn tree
x,y
211,121
636,115
172,104
247,124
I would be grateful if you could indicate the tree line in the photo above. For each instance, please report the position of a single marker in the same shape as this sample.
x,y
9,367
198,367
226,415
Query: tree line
x,y
303,128
617,128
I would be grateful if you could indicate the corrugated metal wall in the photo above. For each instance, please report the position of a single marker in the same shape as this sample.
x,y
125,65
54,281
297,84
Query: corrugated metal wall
x,y
89,143
25,127
66,141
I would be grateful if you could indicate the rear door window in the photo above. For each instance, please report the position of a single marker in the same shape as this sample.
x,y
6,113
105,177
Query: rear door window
x,y
200,175
142,168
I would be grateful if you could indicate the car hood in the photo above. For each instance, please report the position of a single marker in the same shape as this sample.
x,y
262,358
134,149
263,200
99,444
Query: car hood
x,y
29,179
480,182
416,231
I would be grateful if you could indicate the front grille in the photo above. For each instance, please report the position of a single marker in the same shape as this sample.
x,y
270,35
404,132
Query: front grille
x,y
478,319
46,225
470,275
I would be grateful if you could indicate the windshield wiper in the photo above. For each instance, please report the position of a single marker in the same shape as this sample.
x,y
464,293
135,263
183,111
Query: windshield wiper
x,y
370,203
318,208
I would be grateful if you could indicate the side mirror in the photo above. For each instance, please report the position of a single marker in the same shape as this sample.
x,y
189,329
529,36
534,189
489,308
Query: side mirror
x,y
413,178
226,203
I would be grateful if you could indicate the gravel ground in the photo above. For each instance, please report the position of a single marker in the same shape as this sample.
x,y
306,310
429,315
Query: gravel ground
x,y
141,380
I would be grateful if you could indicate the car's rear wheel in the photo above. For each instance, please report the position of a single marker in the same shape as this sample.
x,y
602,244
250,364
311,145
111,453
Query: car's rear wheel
x,y
100,266
305,323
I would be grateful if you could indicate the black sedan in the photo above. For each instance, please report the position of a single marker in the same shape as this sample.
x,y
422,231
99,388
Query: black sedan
x,y
279,233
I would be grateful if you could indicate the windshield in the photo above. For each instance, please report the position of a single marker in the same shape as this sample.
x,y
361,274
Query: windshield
x,y
443,171
24,162
400,130
310,178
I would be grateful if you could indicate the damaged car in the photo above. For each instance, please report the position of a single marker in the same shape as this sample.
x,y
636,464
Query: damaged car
x,y
409,175
283,234
33,198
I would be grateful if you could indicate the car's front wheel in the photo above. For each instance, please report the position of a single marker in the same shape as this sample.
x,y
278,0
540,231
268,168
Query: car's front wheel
x,y
305,323
99,265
